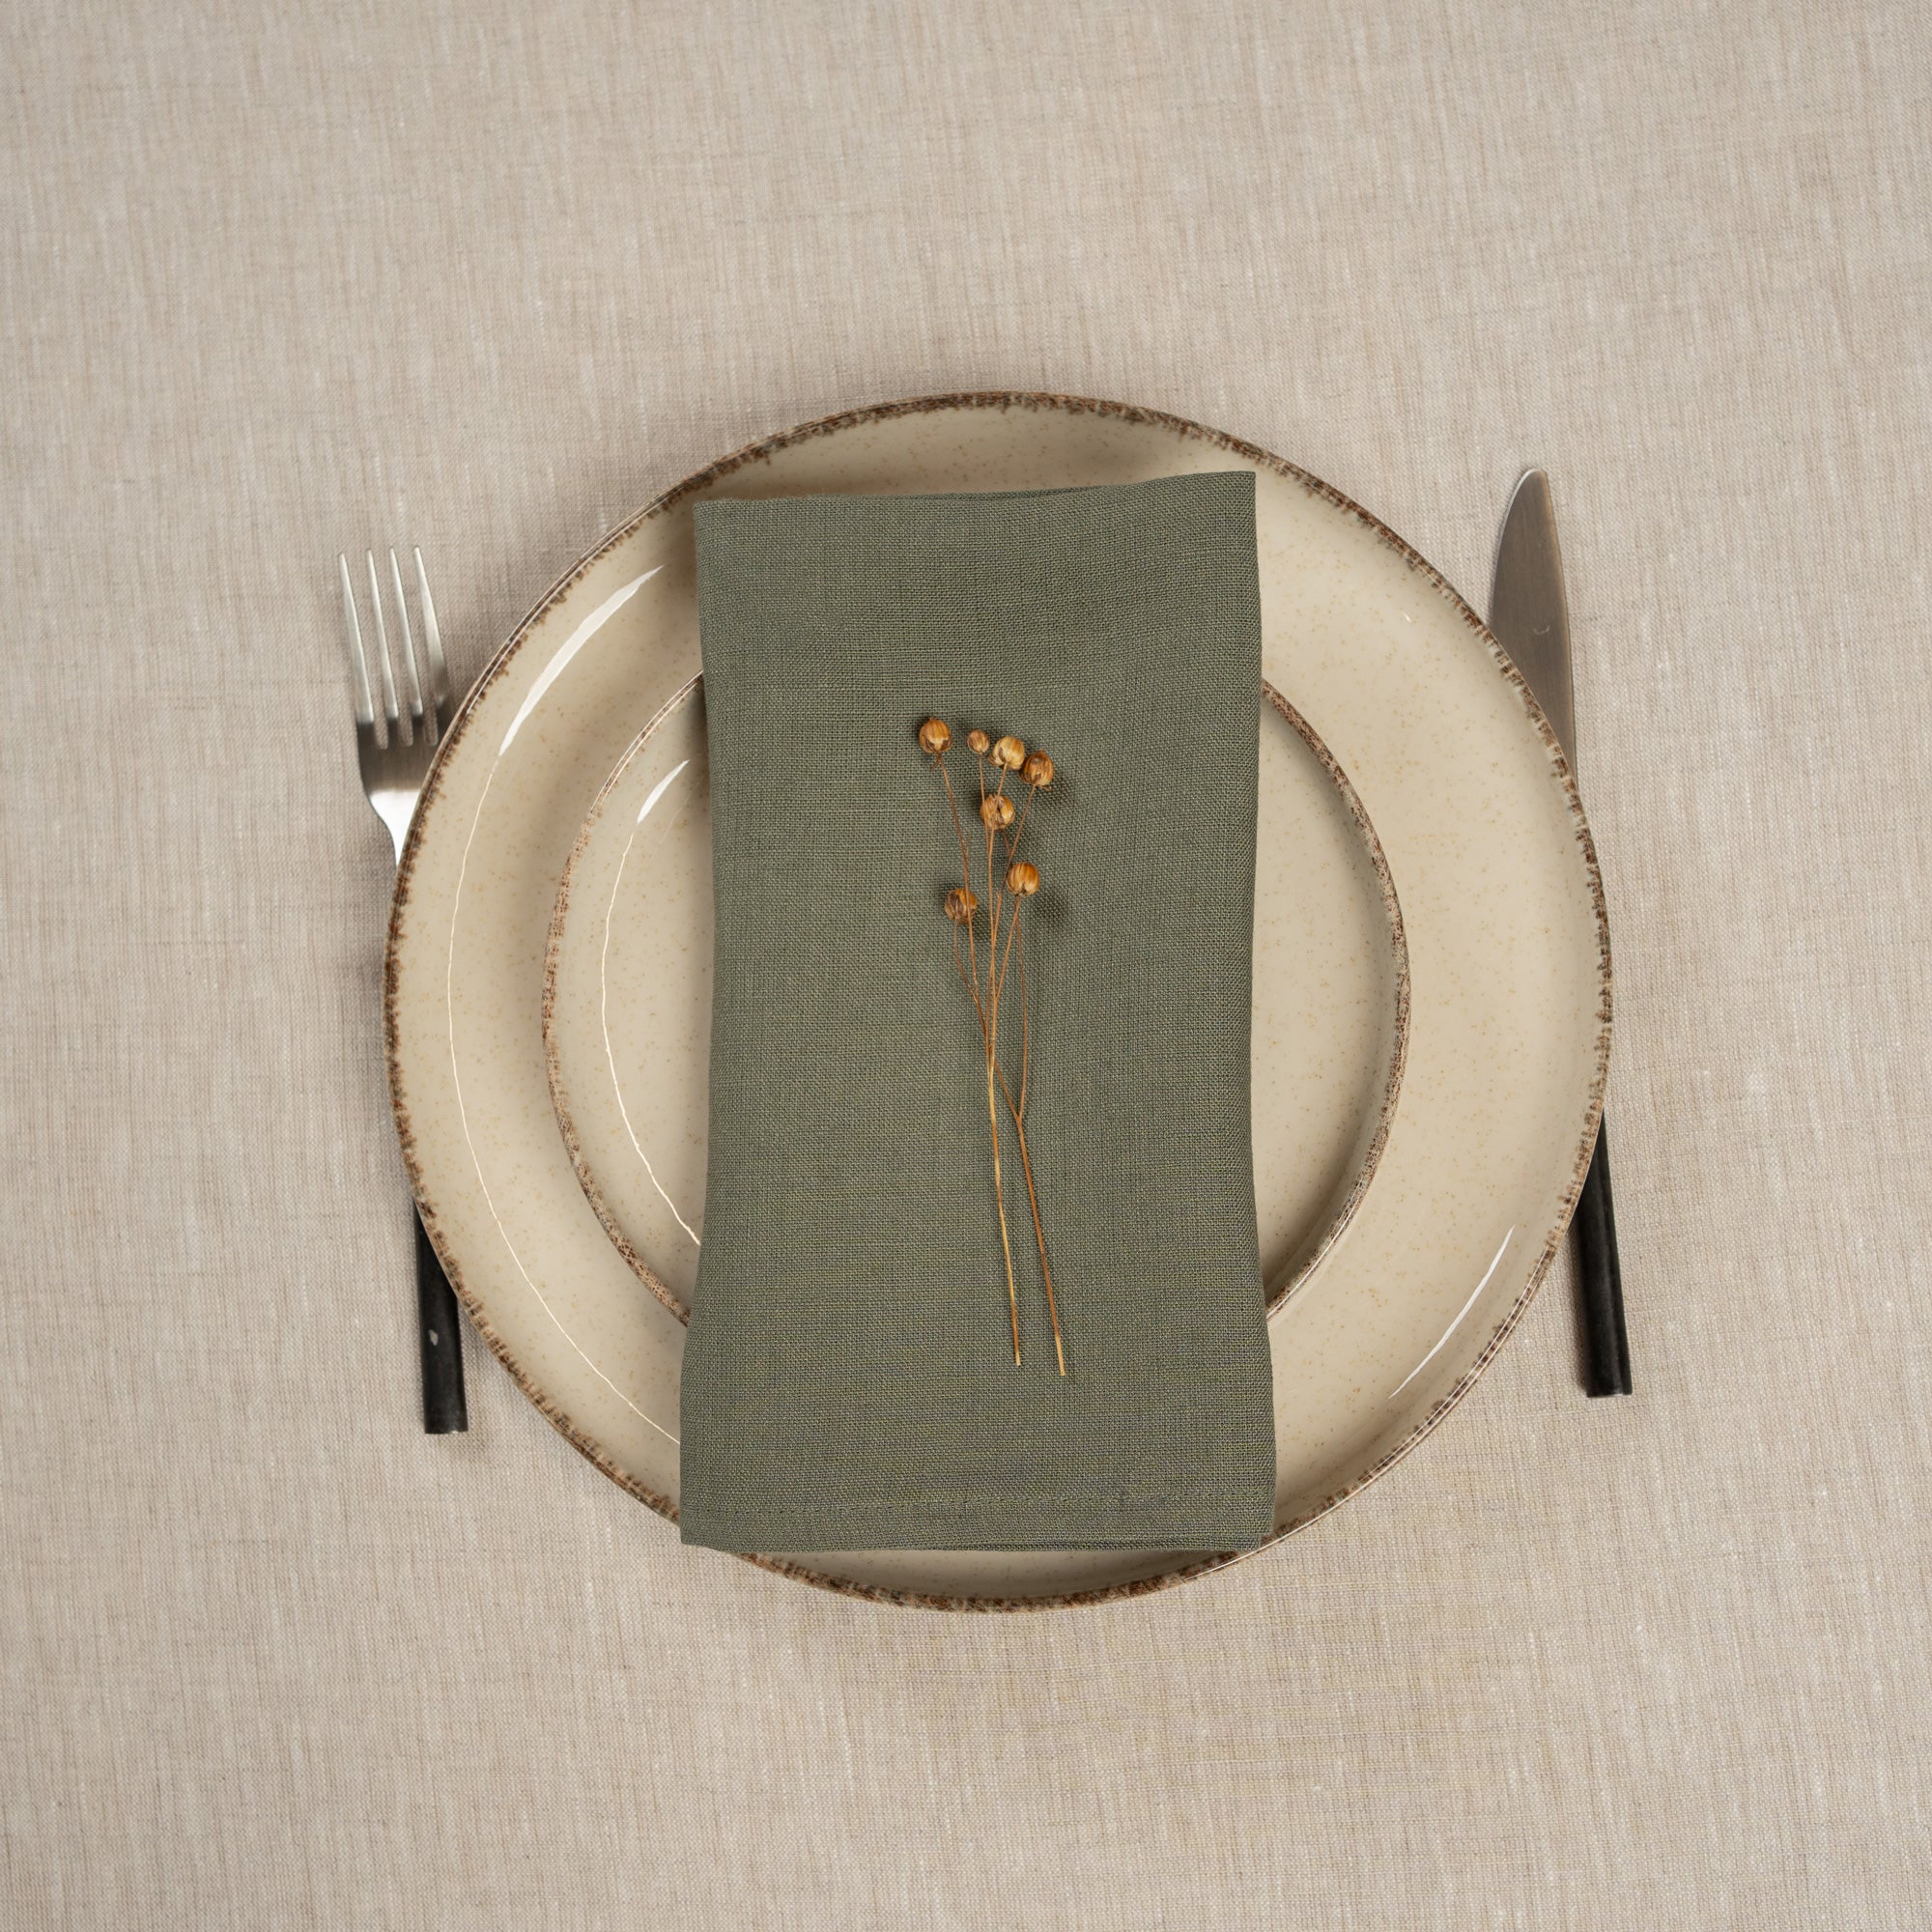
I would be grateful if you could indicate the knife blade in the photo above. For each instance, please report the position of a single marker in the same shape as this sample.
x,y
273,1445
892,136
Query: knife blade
x,y
1528,610
1529,615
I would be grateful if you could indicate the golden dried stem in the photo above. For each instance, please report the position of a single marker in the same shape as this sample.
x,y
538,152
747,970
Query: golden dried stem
x,y
992,911
1033,1202
965,867
1018,1112
990,1019
1000,1201
1019,824
1025,1055
992,887
989,1025
1017,1109
1012,933
966,880
987,1008
972,984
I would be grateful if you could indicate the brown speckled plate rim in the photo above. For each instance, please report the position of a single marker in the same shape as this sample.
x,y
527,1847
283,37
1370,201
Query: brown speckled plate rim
x,y
1010,399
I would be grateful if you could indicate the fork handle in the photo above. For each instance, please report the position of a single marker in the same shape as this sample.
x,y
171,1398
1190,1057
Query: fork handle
x,y
1600,1279
444,1410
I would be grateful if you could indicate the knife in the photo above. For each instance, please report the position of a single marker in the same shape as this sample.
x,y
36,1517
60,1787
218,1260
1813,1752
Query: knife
x,y
1530,617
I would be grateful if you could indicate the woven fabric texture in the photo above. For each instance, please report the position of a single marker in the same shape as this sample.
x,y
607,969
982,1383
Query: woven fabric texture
x,y
851,1379
277,281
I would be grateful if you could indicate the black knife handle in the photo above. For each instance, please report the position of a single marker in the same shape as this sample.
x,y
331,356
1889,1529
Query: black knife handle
x,y
444,1410
1600,1279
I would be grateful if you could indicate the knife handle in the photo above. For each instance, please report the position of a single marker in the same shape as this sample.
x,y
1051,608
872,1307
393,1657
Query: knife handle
x,y
1600,1279
444,1409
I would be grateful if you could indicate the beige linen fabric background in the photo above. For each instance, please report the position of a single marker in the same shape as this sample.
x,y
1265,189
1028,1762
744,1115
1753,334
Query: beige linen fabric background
x,y
277,281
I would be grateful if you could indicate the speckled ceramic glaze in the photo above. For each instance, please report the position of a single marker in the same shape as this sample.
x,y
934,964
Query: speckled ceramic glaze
x,y
1508,1031
627,1001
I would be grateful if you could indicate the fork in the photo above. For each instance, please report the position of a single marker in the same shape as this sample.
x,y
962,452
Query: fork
x,y
394,752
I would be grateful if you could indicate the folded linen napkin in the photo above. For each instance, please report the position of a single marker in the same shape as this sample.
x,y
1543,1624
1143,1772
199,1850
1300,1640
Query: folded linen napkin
x,y
849,1379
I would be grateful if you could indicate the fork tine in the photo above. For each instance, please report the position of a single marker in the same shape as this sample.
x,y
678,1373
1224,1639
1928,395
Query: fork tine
x,y
382,648
408,644
365,708
439,670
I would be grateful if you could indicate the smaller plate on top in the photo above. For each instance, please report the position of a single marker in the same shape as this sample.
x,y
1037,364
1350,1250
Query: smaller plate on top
x,y
627,1000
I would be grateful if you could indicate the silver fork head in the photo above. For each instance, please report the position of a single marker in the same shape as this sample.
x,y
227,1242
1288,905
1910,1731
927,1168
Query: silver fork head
x,y
394,745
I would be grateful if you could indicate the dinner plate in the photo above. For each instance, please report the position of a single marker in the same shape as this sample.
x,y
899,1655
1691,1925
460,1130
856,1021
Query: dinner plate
x,y
627,1000
1483,835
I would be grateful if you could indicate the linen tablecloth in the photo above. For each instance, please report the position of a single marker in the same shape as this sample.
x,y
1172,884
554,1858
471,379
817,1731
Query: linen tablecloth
x,y
278,281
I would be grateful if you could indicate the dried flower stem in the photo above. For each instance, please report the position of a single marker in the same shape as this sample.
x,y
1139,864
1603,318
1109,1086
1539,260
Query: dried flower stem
x,y
987,1024
1033,1202
990,1024
1013,839
988,1018
1017,1109
999,1201
1002,828
1025,1043
1022,882
965,871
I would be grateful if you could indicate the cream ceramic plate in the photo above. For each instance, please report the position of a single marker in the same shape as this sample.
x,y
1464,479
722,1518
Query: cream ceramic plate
x,y
627,1001
1509,1016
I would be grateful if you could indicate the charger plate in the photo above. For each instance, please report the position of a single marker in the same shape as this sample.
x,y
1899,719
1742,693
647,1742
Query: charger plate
x,y
1508,1024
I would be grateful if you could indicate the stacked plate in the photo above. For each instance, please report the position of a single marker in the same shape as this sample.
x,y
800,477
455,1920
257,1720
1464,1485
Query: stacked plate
x,y
1432,977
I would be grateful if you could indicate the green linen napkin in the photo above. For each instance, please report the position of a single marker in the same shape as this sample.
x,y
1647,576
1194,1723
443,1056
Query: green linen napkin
x,y
849,1378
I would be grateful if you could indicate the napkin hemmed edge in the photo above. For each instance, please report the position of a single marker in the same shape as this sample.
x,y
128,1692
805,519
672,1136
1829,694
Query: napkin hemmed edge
x,y
1226,1523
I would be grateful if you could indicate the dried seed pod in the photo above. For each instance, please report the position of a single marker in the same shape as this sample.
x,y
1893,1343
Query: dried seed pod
x,y
1038,771
1009,754
978,742
935,736
1022,879
996,811
961,904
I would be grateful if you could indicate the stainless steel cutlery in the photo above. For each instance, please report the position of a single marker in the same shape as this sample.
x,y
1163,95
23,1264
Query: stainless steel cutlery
x,y
394,744
1529,614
